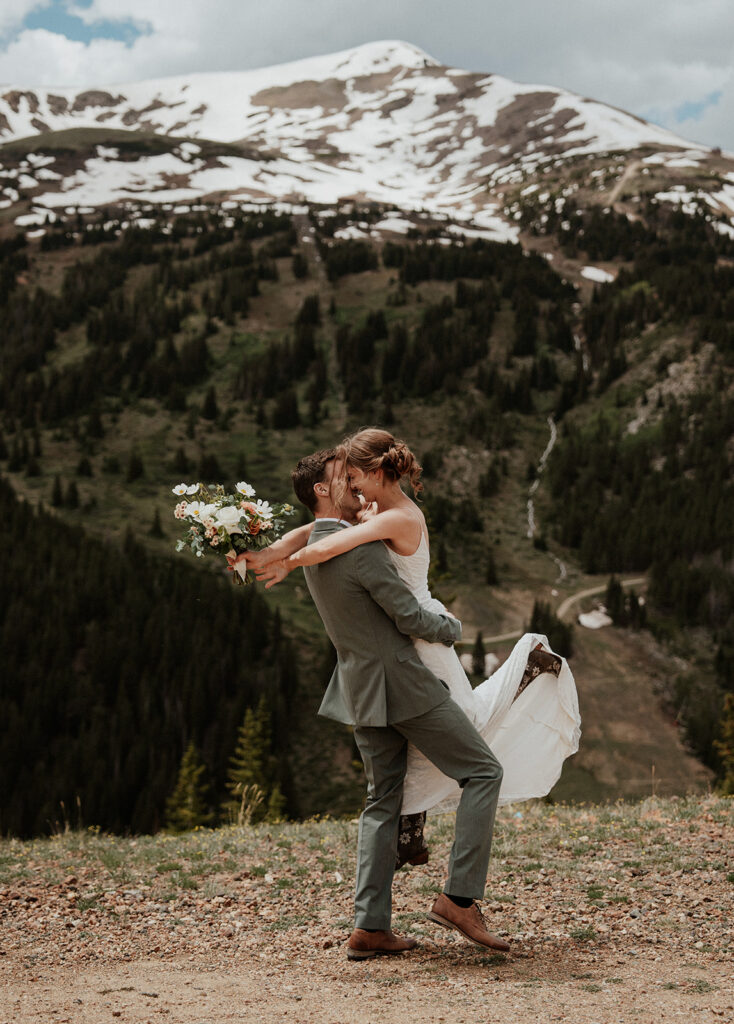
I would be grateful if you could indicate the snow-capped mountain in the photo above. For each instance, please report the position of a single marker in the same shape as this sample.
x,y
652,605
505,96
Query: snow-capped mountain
x,y
382,122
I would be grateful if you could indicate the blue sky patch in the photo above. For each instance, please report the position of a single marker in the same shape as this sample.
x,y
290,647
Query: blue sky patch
x,y
56,18
692,110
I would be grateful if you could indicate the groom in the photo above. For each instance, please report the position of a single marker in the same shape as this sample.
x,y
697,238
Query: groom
x,y
383,690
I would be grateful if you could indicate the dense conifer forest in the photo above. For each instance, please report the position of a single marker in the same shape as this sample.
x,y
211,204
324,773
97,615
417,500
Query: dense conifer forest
x,y
114,661
215,345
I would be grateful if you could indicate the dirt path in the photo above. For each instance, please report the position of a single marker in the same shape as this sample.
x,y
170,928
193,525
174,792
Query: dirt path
x,y
447,984
630,170
565,606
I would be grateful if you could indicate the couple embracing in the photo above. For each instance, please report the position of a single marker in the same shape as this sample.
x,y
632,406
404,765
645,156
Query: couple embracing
x,y
424,735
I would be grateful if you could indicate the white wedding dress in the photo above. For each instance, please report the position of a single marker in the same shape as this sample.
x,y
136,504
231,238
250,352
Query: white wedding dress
x,y
530,738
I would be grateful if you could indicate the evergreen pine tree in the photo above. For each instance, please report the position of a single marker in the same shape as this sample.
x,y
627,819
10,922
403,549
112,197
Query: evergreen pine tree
x,y
388,416
210,409
614,602
310,311
248,778
442,560
285,413
276,804
156,530
209,469
57,496
725,746
15,462
180,464
94,424
135,468
300,266
545,621
187,806
72,495
478,655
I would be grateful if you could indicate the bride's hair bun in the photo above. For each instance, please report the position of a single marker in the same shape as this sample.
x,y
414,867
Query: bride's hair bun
x,y
371,449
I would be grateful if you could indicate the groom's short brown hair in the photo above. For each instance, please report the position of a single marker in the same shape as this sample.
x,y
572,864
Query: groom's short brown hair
x,y
310,470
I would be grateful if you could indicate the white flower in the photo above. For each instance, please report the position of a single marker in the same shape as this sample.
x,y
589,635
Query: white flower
x,y
229,518
199,510
245,489
180,489
263,509
192,488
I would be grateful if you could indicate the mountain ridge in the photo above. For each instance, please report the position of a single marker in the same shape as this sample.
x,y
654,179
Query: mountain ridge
x,y
383,122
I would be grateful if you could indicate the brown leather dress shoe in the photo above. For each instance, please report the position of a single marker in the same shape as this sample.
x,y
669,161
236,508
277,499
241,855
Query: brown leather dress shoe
x,y
468,921
363,944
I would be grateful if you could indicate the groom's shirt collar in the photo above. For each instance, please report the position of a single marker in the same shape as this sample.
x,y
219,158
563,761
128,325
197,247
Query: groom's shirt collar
x,y
332,519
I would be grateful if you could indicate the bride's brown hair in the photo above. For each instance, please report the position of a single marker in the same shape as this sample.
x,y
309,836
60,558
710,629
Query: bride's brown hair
x,y
372,449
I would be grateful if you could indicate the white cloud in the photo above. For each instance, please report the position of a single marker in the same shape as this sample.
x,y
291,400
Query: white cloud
x,y
13,13
58,61
653,56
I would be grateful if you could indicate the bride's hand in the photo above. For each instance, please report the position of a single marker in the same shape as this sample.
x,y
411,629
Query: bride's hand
x,y
273,573
233,560
368,510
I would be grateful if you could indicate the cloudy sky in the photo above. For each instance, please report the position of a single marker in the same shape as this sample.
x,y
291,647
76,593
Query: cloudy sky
x,y
670,61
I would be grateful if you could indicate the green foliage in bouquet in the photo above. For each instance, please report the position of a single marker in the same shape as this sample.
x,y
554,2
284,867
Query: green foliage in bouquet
x,y
228,523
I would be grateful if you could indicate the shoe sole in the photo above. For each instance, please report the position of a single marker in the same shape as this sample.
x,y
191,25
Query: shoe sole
x,y
365,954
445,923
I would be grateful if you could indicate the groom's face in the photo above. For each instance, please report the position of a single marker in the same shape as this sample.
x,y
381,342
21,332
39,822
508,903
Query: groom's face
x,y
344,499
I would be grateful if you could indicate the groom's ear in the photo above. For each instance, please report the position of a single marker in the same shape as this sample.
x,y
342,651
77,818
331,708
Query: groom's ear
x,y
321,489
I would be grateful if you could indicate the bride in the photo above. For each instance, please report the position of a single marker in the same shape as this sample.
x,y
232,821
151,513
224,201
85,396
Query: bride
x,y
530,729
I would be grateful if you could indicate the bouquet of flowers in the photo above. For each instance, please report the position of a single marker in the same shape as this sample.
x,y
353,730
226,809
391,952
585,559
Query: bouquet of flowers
x,y
227,524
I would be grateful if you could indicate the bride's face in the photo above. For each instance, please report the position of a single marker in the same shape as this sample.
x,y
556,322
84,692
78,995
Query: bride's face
x,y
366,484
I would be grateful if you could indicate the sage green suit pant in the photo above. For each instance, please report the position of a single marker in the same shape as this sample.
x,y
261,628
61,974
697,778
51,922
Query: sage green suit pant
x,y
448,739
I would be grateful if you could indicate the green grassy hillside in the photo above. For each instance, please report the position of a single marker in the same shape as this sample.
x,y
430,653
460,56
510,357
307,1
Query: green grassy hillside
x,y
223,345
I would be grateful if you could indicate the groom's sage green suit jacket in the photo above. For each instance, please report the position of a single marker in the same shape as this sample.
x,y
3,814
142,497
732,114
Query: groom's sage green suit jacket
x,y
370,614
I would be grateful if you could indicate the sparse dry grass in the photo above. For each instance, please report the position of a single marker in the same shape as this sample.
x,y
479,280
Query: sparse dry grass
x,y
612,908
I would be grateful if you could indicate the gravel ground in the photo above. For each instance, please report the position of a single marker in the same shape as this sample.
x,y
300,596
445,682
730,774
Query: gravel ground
x,y
615,913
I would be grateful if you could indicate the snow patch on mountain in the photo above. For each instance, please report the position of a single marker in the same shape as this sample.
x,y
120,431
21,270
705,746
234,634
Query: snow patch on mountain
x,y
382,122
